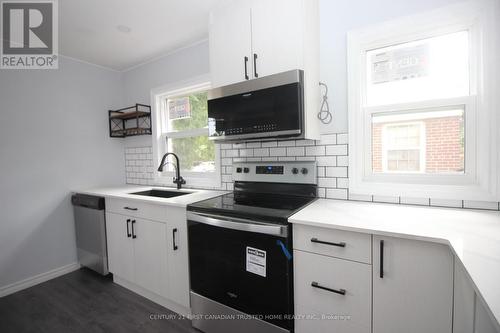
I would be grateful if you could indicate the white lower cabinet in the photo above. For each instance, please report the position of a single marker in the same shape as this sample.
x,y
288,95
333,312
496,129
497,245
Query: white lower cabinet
x,y
151,255
120,246
412,286
331,295
469,313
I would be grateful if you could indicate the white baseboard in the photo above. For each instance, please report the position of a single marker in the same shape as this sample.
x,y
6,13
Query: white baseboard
x,y
171,305
37,279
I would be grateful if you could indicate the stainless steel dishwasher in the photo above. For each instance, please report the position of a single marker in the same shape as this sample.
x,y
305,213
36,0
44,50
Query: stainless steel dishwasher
x,y
90,227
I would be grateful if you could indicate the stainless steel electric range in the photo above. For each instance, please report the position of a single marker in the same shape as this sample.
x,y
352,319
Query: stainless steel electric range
x,y
240,249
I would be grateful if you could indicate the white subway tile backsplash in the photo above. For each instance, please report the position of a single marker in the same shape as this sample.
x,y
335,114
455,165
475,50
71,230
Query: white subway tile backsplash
x,y
360,197
446,203
343,182
342,160
321,171
268,144
239,145
295,151
328,139
330,153
336,172
327,182
315,150
246,152
385,198
327,160
277,151
287,143
305,143
305,158
336,150
481,205
253,144
342,138
336,193
415,201
261,152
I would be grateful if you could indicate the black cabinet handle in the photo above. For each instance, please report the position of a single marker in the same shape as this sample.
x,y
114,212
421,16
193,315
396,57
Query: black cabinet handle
x,y
317,285
128,230
315,240
174,231
130,208
255,65
246,71
133,230
381,259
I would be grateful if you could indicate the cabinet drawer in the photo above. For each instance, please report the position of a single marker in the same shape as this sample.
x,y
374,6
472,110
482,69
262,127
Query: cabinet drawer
x,y
137,209
335,243
331,311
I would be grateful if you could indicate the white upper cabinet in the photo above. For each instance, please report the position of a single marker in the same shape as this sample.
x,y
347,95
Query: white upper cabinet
x,y
276,36
230,44
412,286
264,37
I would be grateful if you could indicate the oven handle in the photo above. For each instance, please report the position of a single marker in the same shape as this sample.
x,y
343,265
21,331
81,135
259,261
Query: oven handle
x,y
239,224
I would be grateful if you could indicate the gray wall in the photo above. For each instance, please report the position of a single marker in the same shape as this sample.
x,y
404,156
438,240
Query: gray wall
x,y
53,138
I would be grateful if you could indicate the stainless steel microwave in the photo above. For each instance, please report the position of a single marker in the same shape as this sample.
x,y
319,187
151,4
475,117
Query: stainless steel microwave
x,y
264,108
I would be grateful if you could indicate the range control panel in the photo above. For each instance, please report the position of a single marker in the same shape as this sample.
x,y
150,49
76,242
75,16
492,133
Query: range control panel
x,y
276,172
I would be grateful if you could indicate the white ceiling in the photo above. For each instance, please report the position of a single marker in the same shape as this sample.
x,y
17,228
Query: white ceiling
x,y
88,29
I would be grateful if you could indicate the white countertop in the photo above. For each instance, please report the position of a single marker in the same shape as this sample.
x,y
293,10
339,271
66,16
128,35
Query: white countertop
x,y
473,235
123,192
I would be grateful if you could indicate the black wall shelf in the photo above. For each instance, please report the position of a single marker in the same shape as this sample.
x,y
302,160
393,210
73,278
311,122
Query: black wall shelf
x,y
130,121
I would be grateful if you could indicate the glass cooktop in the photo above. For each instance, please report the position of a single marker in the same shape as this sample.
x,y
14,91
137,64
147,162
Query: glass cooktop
x,y
260,206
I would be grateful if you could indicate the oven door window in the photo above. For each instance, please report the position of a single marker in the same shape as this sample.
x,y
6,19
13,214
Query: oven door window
x,y
267,110
218,269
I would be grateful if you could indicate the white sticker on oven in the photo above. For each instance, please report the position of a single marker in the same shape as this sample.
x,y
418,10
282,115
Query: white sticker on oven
x,y
256,261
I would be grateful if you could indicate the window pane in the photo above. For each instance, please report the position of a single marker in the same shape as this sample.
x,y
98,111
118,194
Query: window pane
x,y
430,141
196,154
187,112
425,69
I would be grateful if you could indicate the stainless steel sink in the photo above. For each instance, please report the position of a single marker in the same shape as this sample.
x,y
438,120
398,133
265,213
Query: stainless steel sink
x,y
161,193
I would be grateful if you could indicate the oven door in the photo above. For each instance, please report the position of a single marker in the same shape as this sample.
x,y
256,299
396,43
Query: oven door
x,y
243,265
257,109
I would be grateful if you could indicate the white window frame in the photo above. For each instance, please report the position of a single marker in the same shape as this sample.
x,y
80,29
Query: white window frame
x,y
386,146
160,134
480,180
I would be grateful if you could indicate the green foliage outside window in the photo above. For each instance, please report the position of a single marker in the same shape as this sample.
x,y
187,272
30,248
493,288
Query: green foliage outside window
x,y
196,153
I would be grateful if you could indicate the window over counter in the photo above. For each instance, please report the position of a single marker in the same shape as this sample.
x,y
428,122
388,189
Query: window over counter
x,y
422,105
181,126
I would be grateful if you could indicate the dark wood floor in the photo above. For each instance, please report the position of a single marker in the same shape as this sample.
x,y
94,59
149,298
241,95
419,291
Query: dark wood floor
x,y
83,301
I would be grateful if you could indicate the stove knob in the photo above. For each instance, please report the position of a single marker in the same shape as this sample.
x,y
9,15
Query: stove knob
x,y
238,170
295,171
304,171
246,170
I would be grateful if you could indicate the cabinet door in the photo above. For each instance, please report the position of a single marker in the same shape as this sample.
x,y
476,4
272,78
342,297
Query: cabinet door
x,y
463,301
120,246
150,248
333,312
415,292
483,322
276,36
178,261
230,43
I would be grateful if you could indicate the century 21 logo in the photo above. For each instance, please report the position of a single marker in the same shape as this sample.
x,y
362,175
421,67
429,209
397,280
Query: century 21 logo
x,y
29,28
